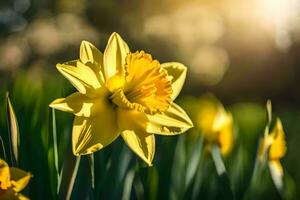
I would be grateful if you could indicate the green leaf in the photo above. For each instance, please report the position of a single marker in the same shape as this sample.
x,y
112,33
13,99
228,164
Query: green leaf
x,y
178,169
128,184
201,169
55,146
3,153
221,170
68,176
138,187
153,182
53,153
193,162
217,158
123,163
92,168
13,131
277,177
269,111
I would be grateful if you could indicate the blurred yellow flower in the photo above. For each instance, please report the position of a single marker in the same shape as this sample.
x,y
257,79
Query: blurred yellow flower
x,y
12,181
273,148
216,124
125,93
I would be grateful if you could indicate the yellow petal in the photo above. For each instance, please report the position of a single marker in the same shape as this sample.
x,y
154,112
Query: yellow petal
x,y
85,79
173,121
131,120
276,172
132,125
4,175
223,128
140,143
89,53
92,134
176,74
278,147
79,105
264,145
226,135
209,108
114,56
8,194
21,197
19,179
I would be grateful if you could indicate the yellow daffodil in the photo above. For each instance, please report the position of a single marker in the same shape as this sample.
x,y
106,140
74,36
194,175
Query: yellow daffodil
x,y
216,124
12,181
122,93
273,148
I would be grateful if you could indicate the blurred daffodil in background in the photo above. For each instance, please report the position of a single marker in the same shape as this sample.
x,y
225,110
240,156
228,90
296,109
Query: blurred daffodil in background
x,y
12,181
276,152
216,124
122,93
213,135
273,148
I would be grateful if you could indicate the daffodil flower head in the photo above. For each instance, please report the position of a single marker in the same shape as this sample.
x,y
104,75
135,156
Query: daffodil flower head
x,y
122,93
278,145
12,181
273,145
272,149
216,124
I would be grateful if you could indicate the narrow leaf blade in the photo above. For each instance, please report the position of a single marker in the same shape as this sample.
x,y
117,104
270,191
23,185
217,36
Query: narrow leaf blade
x,y
128,184
193,162
13,130
68,176
92,168
3,148
53,152
221,170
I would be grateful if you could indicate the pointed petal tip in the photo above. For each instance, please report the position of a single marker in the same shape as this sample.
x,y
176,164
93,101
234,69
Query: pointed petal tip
x,y
51,105
114,34
150,164
56,101
85,43
191,125
147,161
76,153
82,152
59,66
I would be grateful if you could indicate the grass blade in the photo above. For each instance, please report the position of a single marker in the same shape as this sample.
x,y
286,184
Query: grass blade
x,y
92,168
153,183
139,188
199,177
193,162
3,148
53,147
128,184
68,176
276,172
13,130
221,170
217,158
178,170
269,112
